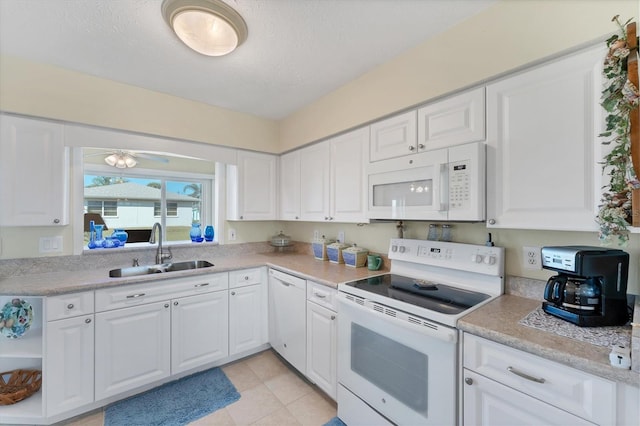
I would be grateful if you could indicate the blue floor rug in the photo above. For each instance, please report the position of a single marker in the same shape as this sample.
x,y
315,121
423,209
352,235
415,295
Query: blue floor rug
x,y
335,422
175,403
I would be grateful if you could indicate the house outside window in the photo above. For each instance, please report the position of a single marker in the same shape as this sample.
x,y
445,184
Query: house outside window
x,y
172,209
103,208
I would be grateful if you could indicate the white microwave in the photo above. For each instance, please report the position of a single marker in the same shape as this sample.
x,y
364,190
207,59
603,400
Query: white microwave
x,y
438,185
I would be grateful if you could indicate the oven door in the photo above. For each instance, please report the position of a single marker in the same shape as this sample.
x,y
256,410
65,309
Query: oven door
x,y
397,363
412,187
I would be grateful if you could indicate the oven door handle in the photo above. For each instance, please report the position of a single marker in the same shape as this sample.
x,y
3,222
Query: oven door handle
x,y
434,330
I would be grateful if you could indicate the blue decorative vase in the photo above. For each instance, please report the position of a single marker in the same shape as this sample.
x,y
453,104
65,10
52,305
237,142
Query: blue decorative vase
x,y
99,240
208,233
121,235
195,233
110,242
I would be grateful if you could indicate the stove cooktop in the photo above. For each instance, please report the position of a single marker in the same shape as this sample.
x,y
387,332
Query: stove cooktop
x,y
425,294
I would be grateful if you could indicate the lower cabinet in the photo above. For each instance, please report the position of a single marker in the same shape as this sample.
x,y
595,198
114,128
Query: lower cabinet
x,y
502,385
322,327
199,330
287,317
248,313
132,347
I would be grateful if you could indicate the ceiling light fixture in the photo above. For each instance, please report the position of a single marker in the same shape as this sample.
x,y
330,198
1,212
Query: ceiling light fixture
x,y
121,160
210,27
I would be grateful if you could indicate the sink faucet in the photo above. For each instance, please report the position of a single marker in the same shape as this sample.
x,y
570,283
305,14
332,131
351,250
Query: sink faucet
x,y
161,256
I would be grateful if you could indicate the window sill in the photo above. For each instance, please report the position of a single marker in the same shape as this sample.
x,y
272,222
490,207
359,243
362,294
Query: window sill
x,y
131,247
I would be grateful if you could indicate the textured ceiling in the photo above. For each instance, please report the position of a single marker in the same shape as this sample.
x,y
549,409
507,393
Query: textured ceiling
x,y
297,50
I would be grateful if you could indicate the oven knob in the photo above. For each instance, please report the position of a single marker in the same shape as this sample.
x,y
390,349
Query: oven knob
x,y
489,260
394,248
402,249
476,258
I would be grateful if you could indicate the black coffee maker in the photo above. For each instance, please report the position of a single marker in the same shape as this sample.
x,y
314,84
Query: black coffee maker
x,y
591,287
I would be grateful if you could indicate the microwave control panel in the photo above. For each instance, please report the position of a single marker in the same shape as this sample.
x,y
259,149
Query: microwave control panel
x,y
459,181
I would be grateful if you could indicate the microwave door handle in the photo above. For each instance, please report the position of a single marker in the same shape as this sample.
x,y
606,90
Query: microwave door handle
x,y
439,189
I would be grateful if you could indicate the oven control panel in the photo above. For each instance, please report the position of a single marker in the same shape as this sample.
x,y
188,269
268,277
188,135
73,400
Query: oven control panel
x,y
465,257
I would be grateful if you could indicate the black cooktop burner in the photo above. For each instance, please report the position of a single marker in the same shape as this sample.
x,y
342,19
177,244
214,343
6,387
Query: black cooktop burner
x,y
436,297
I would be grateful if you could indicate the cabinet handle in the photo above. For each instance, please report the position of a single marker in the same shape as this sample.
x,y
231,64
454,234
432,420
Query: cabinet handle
x,y
175,303
133,296
56,221
320,295
201,285
166,305
468,381
525,375
326,218
246,277
233,293
241,217
333,317
285,283
411,147
88,320
421,146
492,221
70,306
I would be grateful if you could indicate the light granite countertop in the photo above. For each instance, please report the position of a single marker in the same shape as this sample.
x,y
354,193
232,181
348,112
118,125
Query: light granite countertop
x,y
499,319
302,265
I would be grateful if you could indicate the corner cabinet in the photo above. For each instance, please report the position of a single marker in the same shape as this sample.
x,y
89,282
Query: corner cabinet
x,y
251,187
543,153
34,165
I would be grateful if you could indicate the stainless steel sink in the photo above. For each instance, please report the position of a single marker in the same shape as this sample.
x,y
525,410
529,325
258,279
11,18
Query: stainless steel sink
x,y
159,269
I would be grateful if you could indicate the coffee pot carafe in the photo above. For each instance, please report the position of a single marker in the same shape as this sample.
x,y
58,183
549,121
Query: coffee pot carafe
x,y
590,289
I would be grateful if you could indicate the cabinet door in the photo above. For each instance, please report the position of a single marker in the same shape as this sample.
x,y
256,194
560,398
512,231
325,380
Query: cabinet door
x,y
287,321
199,330
314,182
321,347
452,121
543,150
33,173
490,403
252,187
247,318
290,186
69,364
132,347
349,153
394,137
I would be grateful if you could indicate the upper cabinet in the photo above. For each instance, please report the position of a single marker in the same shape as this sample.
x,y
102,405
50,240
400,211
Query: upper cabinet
x,y
251,187
452,121
326,181
394,137
543,149
34,165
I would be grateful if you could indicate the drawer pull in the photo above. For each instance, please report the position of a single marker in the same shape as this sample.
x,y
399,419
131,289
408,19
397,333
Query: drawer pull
x,y
333,317
233,293
201,285
320,295
88,320
70,306
525,375
285,283
133,296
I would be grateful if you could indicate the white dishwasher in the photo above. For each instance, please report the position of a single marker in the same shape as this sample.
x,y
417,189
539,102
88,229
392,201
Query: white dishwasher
x,y
287,317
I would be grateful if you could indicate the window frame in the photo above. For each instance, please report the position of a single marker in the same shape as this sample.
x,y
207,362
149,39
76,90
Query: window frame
x,y
207,212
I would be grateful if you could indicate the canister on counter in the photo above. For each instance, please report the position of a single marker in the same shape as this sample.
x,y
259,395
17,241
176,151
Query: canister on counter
x,y
334,252
355,256
320,248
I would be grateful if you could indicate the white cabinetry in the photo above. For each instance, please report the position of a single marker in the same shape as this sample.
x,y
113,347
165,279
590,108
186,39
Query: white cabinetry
x,y
394,137
287,317
24,353
502,385
140,327
543,150
248,312
452,121
251,187
34,166
322,327
326,181
69,357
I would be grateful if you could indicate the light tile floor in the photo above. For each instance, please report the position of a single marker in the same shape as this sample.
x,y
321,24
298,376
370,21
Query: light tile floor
x,y
272,393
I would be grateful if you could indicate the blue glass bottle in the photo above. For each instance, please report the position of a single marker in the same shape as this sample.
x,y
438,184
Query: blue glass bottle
x,y
208,233
121,235
195,233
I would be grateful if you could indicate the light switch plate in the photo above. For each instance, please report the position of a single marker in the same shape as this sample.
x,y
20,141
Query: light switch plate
x,y
51,244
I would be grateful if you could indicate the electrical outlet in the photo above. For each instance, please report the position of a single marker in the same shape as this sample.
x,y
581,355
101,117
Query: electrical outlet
x,y
316,235
531,257
232,234
341,236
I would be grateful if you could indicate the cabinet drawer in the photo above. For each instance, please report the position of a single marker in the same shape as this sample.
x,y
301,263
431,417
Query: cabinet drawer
x,y
322,295
245,277
69,305
132,295
580,393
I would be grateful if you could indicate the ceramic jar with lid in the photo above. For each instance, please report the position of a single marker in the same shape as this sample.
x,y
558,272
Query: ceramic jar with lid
x,y
281,240
334,252
319,246
355,256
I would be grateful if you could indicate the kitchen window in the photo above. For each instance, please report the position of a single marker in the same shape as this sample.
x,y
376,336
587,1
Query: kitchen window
x,y
135,199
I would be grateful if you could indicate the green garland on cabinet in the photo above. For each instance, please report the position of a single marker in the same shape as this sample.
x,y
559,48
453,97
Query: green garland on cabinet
x,y
619,97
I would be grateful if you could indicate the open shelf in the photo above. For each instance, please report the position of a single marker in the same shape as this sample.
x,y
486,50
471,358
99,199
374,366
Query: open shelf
x,y
23,410
27,346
